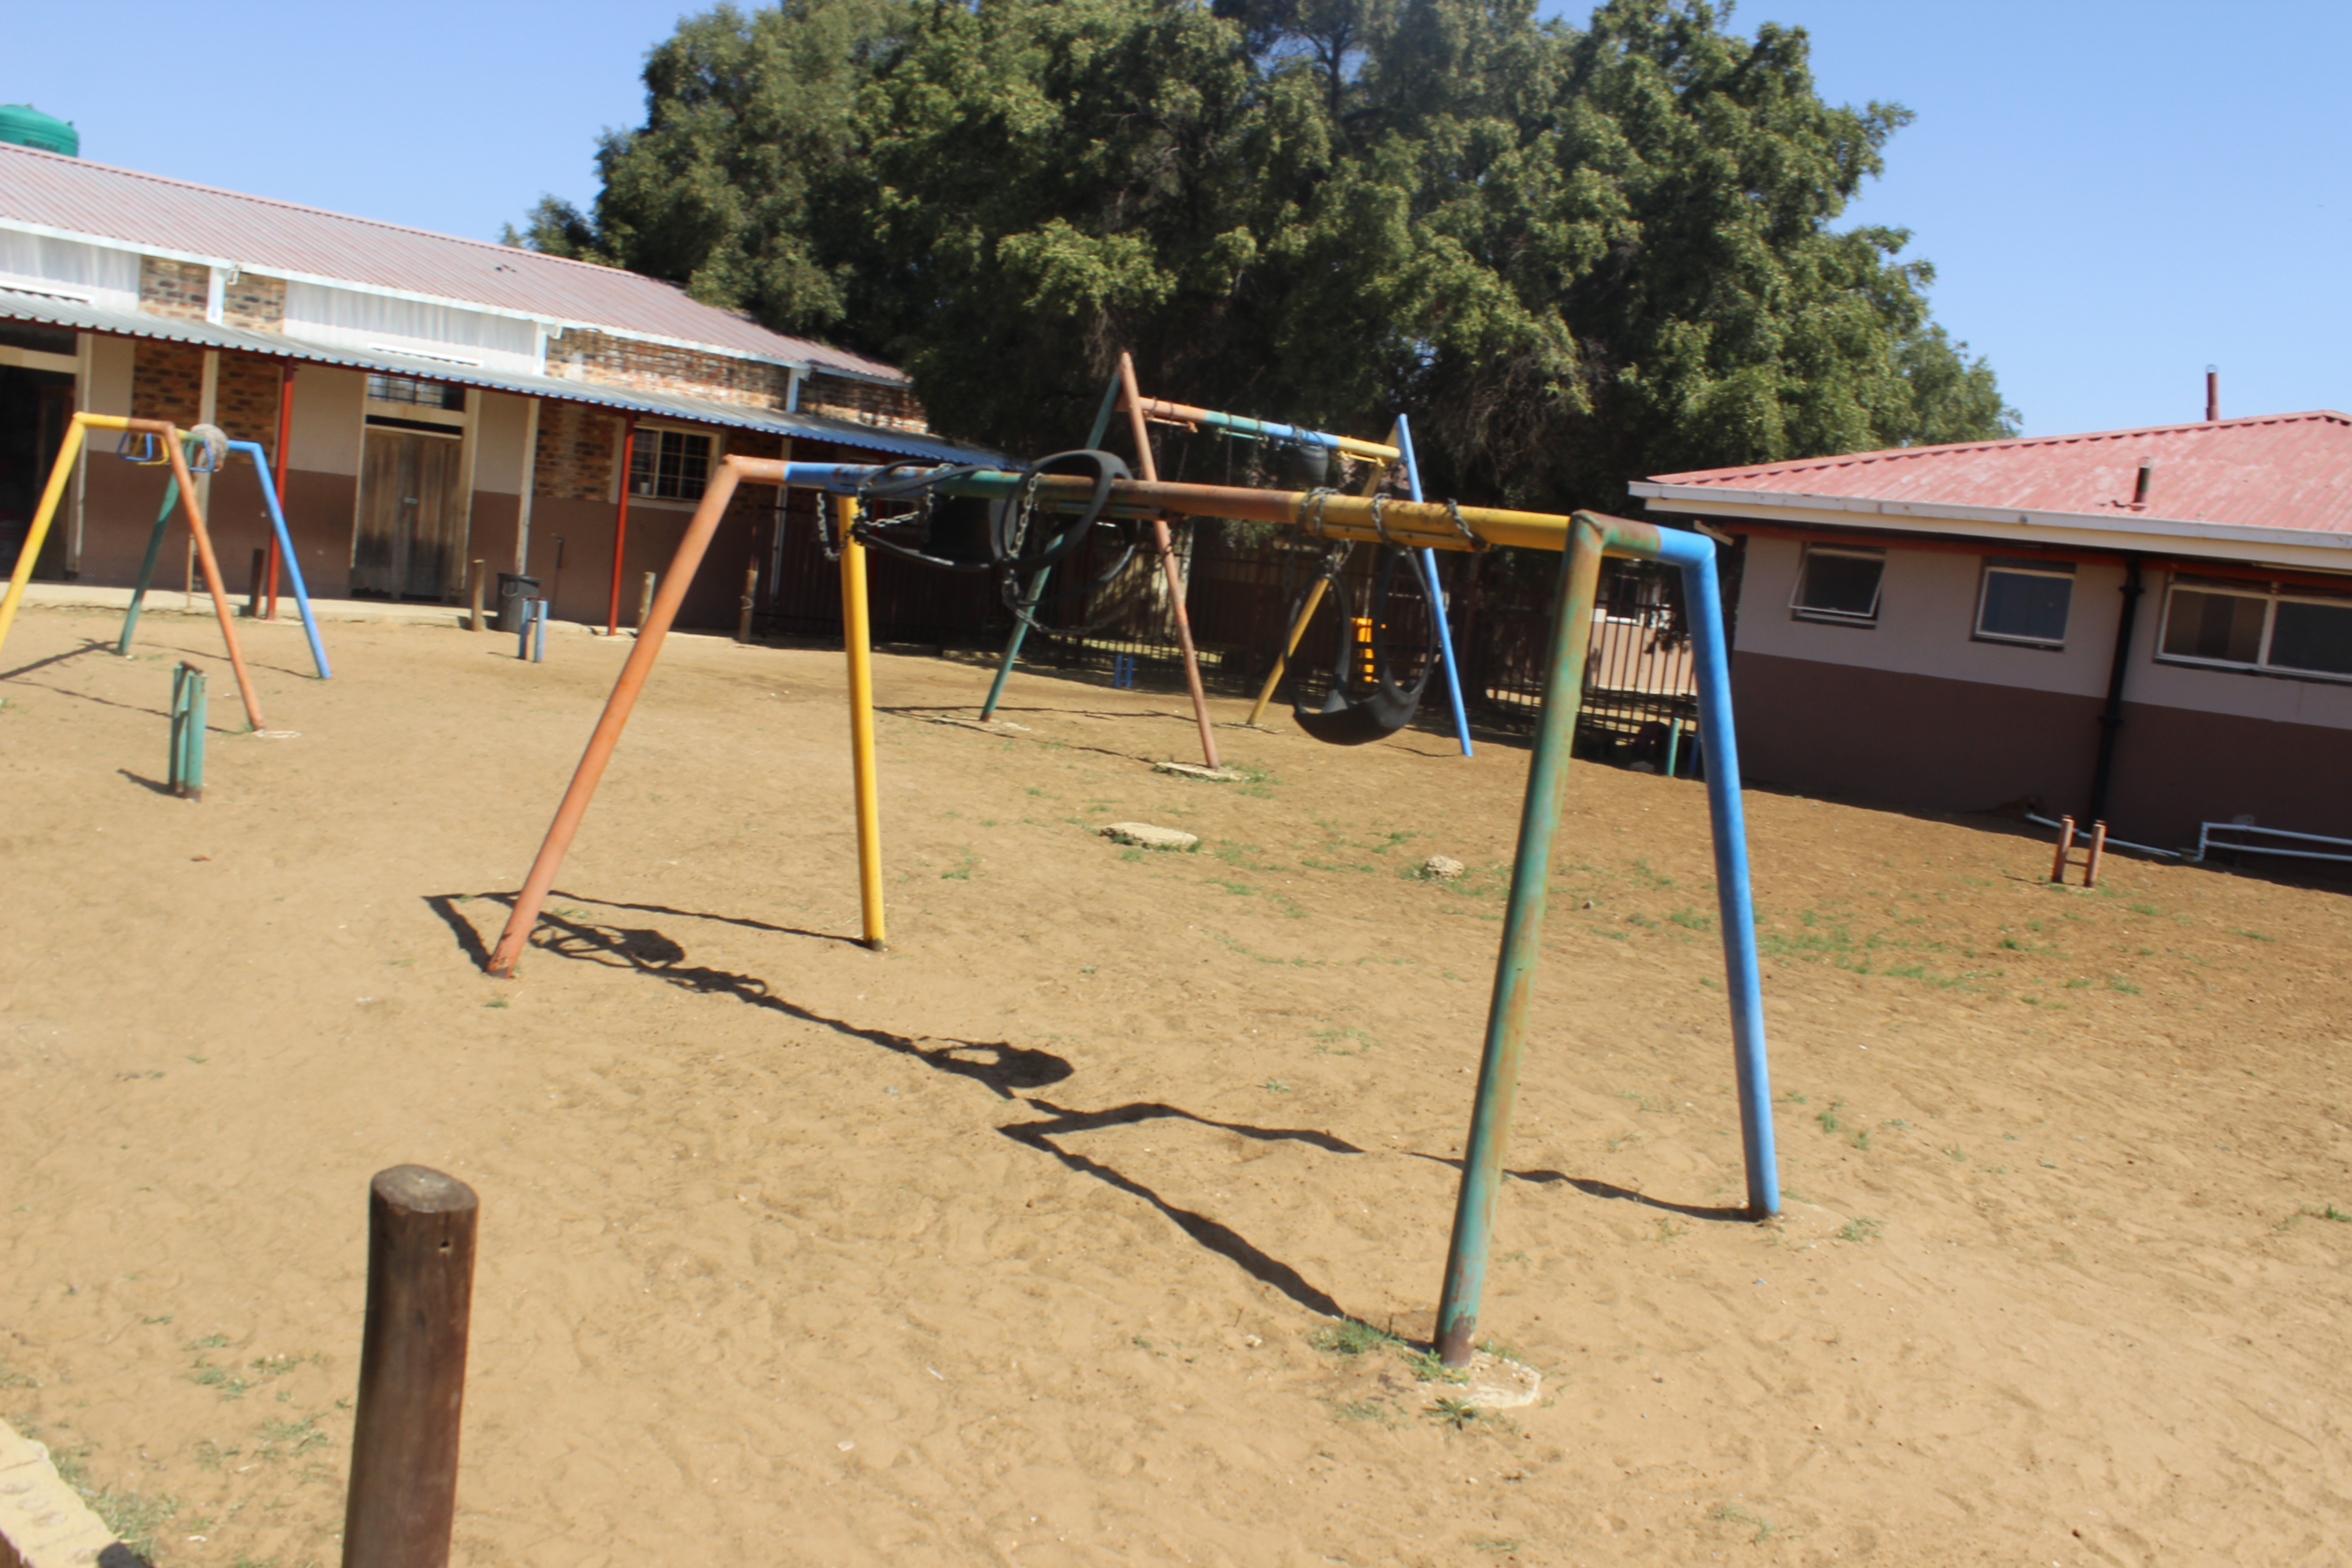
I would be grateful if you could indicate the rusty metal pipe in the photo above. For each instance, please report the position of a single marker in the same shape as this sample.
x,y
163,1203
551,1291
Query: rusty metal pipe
x,y
1160,408
1167,548
616,717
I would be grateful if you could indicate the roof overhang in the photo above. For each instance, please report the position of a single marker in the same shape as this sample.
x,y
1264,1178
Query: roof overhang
x,y
77,317
2295,547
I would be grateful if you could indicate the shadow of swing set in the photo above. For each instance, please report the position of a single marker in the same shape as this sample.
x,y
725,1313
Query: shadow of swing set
x,y
1040,516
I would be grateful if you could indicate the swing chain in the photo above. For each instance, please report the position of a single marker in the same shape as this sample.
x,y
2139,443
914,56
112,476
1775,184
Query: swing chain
x,y
1453,515
1310,515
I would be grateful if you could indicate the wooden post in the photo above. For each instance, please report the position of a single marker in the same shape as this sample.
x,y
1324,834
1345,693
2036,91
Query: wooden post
x,y
2065,846
403,1495
2098,847
258,585
646,601
475,623
751,596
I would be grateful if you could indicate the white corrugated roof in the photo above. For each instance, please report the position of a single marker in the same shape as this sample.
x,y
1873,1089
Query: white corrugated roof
x,y
76,197
809,427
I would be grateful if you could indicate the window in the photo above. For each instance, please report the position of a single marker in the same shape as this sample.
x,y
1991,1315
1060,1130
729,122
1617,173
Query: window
x,y
421,393
1839,584
2025,600
2258,625
669,464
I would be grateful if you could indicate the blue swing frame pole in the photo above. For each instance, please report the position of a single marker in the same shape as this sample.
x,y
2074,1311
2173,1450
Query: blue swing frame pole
x,y
1436,592
1591,536
1037,584
286,553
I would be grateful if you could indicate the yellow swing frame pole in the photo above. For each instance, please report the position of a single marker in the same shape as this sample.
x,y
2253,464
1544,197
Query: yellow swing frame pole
x,y
857,635
42,515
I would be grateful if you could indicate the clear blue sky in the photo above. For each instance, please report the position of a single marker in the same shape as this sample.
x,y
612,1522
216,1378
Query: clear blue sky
x,y
2114,195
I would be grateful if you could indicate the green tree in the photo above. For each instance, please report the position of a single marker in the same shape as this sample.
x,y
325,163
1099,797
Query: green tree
x,y
1576,256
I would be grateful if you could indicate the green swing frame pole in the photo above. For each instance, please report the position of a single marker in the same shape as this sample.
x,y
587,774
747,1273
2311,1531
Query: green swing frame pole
x,y
147,565
1029,601
1515,969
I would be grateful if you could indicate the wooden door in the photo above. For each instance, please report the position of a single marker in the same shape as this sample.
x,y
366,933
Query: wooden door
x,y
411,538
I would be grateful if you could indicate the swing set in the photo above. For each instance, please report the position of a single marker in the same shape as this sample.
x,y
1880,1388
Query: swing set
x,y
1364,701
145,441
1109,498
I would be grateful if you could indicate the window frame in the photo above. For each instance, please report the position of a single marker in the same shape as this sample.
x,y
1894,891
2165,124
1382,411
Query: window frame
x,y
2272,594
715,442
1799,610
2017,566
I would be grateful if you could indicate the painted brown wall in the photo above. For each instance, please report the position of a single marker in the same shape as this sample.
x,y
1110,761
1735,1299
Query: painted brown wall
x,y
1910,739
586,529
121,510
1962,745
2176,767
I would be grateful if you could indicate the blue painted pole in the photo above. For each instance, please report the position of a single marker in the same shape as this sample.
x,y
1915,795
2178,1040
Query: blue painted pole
x,y
286,553
1743,978
1436,592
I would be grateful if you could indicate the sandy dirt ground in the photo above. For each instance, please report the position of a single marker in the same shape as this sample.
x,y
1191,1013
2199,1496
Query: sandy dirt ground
x,y
1025,1242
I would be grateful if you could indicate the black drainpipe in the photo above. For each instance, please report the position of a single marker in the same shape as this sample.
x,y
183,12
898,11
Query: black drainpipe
x,y
2111,718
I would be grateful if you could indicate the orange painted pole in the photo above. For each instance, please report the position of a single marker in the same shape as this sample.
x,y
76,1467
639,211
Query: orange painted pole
x,y
617,707
1167,566
621,529
213,578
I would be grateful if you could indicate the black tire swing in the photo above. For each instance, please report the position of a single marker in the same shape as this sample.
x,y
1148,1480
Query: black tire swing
x,y
1365,701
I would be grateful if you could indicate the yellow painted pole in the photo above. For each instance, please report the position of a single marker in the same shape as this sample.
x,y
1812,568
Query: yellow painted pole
x,y
1289,649
58,475
857,635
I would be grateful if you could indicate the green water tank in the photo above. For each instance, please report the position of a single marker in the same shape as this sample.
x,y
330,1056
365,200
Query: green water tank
x,y
28,127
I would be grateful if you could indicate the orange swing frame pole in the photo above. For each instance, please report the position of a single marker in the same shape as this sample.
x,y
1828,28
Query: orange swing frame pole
x,y
1166,545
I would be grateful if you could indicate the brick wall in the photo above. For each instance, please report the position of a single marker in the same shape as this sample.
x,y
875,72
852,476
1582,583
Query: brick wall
x,y
586,354
255,304
245,401
177,288
577,449
892,407
167,382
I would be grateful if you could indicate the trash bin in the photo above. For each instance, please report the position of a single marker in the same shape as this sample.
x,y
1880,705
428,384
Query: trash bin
x,y
515,592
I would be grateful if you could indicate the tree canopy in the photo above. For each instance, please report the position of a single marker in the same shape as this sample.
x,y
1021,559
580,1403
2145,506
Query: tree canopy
x,y
1574,255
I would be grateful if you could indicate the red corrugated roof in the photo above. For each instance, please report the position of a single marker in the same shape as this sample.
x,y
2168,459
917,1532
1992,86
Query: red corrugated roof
x,y
2281,470
269,235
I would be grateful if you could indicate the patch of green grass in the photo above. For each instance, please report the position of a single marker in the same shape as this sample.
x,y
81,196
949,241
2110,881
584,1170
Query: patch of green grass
x,y
1242,889
1352,1337
1494,1543
1379,1411
1828,1117
2252,935
2117,983
962,871
209,1343
1691,920
1861,1139
135,1517
1727,1514
1277,1086
1861,1227
497,1002
1955,1152
1329,1041
1457,1414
